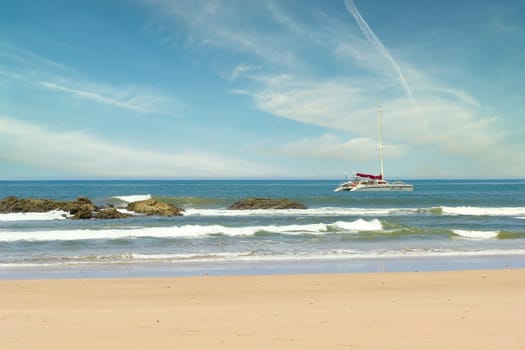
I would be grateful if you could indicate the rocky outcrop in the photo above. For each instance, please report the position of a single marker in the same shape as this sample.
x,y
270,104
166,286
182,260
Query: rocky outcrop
x,y
29,205
266,203
152,207
80,208
83,208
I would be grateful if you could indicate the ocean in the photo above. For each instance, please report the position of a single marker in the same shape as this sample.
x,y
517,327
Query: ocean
x,y
441,225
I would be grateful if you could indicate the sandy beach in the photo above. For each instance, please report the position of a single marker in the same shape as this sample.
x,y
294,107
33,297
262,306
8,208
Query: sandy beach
x,y
411,310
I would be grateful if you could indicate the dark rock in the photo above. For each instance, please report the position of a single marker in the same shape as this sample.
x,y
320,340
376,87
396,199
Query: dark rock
x,y
152,207
266,203
110,213
81,208
82,213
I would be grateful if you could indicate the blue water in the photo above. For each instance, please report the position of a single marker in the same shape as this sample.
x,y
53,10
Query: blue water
x,y
442,224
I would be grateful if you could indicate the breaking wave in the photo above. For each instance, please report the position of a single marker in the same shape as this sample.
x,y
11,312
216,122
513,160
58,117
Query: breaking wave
x,y
190,231
476,234
47,216
134,198
484,211
123,201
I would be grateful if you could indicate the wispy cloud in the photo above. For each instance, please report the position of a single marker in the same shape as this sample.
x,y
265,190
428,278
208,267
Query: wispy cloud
x,y
295,91
330,103
79,154
97,97
133,98
328,146
241,70
23,66
229,26
19,57
457,130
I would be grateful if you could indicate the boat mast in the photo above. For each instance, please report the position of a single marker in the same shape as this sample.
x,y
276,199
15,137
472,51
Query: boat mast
x,y
380,146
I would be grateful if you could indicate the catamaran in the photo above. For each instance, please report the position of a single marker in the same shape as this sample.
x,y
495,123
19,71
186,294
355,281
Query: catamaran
x,y
370,182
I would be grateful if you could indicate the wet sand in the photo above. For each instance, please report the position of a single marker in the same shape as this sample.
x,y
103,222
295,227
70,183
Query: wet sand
x,y
409,310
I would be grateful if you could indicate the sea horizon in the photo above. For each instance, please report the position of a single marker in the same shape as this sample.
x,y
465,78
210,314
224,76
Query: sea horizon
x,y
265,178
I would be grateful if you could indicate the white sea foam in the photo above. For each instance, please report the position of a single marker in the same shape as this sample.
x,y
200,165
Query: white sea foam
x,y
244,256
187,231
129,212
134,198
484,211
226,256
476,234
360,225
50,215
324,211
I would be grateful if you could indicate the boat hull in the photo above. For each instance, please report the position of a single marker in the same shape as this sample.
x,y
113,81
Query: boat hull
x,y
374,187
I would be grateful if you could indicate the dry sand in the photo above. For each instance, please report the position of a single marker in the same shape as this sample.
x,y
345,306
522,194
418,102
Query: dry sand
x,y
437,310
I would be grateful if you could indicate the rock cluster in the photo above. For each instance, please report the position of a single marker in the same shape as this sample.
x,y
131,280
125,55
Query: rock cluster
x,y
83,208
152,207
266,203
80,208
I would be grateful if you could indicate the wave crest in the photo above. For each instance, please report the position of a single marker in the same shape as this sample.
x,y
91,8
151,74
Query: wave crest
x,y
47,216
484,211
476,234
189,231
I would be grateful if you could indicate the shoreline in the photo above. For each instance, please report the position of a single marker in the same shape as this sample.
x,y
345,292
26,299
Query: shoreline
x,y
277,267
470,309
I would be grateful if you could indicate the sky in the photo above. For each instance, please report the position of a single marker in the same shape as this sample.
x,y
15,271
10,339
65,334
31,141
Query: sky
x,y
169,89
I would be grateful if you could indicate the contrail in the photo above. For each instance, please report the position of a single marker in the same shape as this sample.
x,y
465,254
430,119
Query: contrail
x,y
372,38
